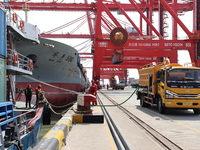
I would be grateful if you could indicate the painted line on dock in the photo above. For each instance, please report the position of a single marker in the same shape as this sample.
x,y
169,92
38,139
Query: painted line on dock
x,y
178,122
110,138
168,118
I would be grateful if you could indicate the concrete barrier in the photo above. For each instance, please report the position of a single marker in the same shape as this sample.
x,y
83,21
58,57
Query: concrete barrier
x,y
56,137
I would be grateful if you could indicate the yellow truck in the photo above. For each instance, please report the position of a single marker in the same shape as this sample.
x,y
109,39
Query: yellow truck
x,y
170,86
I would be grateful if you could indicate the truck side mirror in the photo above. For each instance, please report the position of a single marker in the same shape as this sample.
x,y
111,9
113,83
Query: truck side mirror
x,y
158,81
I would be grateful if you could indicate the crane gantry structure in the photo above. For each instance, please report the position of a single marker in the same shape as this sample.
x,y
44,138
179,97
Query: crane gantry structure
x,y
114,46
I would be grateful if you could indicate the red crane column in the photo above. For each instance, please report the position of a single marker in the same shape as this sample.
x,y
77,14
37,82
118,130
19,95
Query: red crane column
x,y
149,16
196,29
161,18
174,22
97,36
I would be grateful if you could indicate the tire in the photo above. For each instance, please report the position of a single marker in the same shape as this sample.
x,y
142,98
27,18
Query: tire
x,y
196,111
143,103
161,108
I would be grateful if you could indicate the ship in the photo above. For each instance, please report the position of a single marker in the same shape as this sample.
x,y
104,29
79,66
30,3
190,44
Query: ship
x,y
19,127
57,68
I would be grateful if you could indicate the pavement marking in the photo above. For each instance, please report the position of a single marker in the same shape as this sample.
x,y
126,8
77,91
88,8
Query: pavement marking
x,y
184,125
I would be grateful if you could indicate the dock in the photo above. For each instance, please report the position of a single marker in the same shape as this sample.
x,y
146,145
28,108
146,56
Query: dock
x,y
162,130
123,37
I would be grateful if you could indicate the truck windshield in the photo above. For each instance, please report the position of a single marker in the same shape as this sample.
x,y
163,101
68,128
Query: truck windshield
x,y
183,78
121,81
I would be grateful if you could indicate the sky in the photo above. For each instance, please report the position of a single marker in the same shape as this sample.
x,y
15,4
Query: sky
x,y
47,20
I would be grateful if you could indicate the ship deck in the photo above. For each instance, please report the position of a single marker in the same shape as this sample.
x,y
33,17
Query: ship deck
x,y
21,106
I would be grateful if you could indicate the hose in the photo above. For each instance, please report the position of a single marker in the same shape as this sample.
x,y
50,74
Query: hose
x,y
121,102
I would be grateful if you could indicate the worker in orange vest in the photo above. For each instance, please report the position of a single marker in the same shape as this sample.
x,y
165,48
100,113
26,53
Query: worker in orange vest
x,y
37,91
93,91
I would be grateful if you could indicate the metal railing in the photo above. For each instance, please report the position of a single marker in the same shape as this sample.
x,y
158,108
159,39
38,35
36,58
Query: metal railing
x,y
15,20
20,124
18,60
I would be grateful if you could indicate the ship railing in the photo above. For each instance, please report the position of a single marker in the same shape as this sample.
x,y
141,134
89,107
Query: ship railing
x,y
15,21
22,29
18,60
20,125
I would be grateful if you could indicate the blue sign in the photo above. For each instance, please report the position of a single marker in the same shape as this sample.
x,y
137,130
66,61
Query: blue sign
x,y
2,34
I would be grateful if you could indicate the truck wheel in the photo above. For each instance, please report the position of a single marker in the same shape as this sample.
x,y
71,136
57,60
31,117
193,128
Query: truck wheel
x,y
196,111
142,102
161,108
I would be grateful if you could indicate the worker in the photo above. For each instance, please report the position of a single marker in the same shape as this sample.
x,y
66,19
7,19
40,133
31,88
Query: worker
x,y
98,84
93,91
37,91
107,86
28,94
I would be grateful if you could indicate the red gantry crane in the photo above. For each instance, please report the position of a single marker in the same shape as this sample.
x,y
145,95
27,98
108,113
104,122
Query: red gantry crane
x,y
118,44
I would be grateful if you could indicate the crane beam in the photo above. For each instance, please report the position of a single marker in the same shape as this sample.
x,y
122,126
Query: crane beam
x,y
68,35
86,7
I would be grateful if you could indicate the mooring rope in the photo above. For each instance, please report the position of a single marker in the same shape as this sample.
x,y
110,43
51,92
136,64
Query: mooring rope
x,y
69,91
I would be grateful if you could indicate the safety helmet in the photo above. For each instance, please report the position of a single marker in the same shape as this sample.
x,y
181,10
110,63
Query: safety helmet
x,y
39,85
29,85
92,81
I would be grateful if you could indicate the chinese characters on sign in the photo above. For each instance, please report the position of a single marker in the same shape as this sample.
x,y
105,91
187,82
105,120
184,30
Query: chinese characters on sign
x,y
160,44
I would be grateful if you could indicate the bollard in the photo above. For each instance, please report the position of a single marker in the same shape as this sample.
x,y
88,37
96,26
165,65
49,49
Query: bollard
x,y
83,102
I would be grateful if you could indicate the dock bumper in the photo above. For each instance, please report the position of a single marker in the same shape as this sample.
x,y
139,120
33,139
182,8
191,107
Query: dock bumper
x,y
55,138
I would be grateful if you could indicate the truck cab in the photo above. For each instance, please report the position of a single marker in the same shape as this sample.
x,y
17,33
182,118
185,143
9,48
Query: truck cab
x,y
170,86
121,84
115,85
